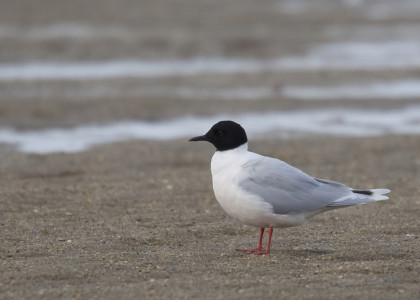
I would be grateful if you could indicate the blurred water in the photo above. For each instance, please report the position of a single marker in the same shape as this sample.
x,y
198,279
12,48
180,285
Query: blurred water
x,y
373,9
366,51
66,30
396,90
408,88
335,56
343,122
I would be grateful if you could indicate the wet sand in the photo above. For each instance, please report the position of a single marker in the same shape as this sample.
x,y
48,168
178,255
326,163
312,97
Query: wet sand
x,y
139,219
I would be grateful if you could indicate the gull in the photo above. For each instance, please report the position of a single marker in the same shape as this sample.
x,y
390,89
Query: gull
x,y
266,192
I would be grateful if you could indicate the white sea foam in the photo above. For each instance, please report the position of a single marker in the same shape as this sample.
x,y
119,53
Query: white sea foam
x,y
342,122
66,31
126,68
377,10
398,90
103,92
358,56
333,56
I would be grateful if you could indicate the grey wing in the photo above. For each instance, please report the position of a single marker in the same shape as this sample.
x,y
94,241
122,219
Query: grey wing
x,y
288,189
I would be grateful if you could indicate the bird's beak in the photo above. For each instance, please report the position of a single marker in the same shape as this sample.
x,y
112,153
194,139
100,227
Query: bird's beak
x,y
199,138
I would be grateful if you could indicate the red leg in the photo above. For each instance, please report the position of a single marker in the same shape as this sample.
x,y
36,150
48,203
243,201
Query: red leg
x,y
259,243
270,233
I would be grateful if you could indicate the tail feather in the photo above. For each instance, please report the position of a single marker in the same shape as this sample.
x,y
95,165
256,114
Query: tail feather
x,y
362,197
374,194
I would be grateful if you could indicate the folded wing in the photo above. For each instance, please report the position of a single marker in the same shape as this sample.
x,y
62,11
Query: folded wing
x,y
289,190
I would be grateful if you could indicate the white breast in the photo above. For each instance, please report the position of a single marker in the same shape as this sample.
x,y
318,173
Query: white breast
x,y
227,171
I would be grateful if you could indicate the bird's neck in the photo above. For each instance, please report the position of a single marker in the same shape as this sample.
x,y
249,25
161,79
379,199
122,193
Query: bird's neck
x,y
223,159
239,149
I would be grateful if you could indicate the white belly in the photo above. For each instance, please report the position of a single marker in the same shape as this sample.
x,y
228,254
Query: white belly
x,y
241,206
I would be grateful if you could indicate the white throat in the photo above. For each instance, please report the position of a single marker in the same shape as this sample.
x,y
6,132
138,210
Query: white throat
x,y
222,161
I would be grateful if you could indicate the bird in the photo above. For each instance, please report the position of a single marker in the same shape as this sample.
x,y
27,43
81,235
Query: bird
x,y
266,192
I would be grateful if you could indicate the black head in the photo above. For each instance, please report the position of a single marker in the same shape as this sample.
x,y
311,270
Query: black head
x,y
224,135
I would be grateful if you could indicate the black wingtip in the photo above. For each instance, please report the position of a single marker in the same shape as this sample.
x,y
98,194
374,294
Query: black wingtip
x,y
363,192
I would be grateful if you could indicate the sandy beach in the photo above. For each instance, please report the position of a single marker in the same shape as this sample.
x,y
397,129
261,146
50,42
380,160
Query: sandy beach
x,y
138,219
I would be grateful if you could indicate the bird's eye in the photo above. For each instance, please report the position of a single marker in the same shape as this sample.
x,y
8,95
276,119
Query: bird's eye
x,y
219,132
